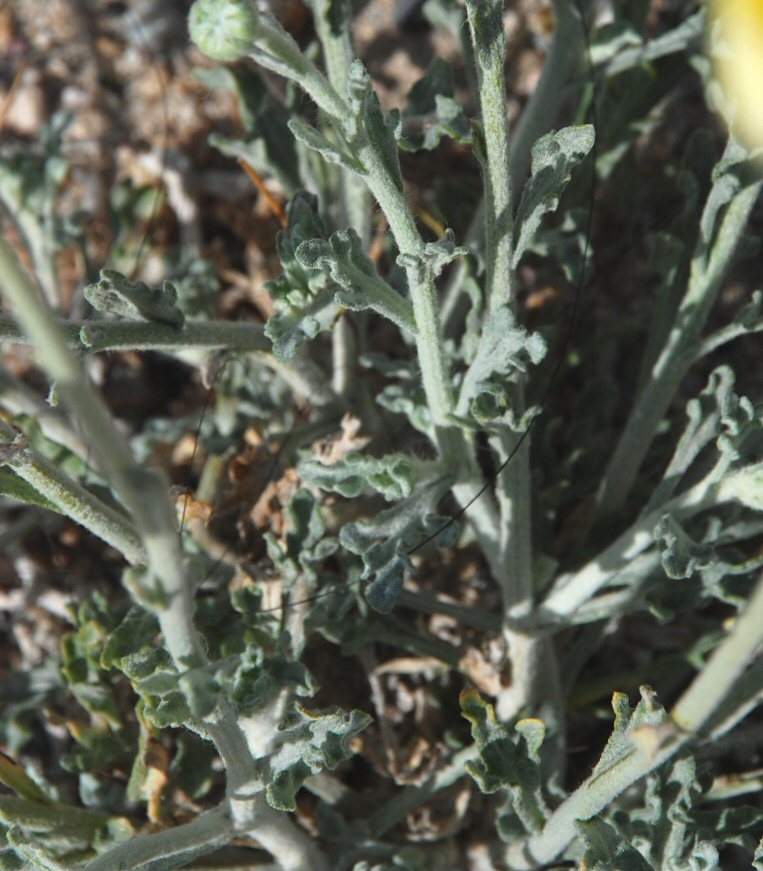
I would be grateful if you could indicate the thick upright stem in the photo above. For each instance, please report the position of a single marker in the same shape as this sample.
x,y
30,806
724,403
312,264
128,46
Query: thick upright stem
x,y
486,23
532,659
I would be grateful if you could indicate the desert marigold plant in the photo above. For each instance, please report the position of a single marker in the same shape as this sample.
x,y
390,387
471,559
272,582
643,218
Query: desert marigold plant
x,y
377,633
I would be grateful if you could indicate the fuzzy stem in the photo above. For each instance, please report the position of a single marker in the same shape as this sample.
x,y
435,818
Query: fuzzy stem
x,y
202,835
726,665
532,659
486,23
72,499
122,335
332,24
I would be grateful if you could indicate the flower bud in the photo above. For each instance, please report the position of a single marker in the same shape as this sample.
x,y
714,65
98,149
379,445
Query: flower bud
x,y
223,29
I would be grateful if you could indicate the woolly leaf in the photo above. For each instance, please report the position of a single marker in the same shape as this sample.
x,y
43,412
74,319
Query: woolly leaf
x,y
504,347
17,488
681,555
391,475
118,295
381,594
383,541
330,151
647,713
739,420
300,295
138,629
308,743
745,486
361,285
368,126
608,849
554,156
507,761
269,147
704,413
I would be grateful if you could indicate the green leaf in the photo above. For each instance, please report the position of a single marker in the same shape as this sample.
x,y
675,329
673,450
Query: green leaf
x,y
306,546
328,150
434,258
409,400
269,146
145,588
745,486
505,347
608,849
681,555
647,713
758,857
309,742
138,629
338,14
361,285
192,766
486,20
259,680
301,295
391,475
554,156
15,777
739,420
201,691
705,413
118,295
507,761
17,488
368,126
383,541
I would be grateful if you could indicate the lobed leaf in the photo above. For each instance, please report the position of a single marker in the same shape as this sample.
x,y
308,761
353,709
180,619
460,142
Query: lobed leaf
x,y
308,743
118,295
507,761
391,475
554,156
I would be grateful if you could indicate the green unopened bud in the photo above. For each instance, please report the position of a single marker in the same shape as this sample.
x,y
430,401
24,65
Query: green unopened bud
x,y
223,29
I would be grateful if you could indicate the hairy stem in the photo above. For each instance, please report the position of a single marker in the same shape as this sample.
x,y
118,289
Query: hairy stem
x,y
70,498
123,335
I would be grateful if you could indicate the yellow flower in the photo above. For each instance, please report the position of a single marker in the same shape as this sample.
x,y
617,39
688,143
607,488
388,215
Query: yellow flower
x,y
736,44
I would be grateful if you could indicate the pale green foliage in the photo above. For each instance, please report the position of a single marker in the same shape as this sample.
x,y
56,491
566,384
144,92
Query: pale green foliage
x,y
523,560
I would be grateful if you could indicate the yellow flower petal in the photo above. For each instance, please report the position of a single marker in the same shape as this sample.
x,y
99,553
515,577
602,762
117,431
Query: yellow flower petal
x,y
737,49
